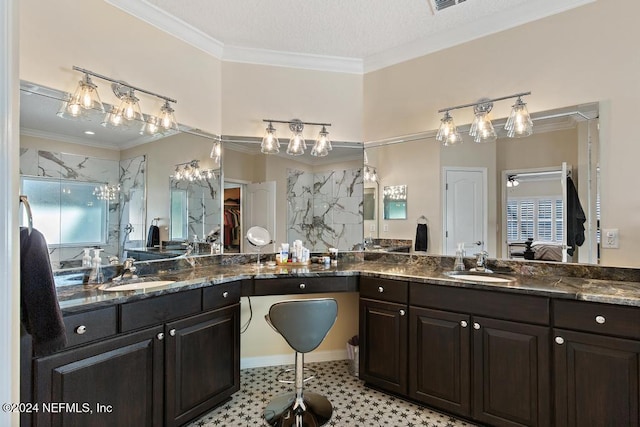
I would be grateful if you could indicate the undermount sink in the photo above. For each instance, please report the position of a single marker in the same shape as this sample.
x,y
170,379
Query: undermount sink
x,y
136,286
478,276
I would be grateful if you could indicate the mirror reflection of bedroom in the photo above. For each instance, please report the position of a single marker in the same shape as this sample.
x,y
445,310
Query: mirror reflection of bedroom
x,y
544,215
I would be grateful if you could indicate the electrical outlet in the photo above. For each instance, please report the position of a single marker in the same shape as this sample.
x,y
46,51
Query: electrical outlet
x,y
385,228
372,227
610,238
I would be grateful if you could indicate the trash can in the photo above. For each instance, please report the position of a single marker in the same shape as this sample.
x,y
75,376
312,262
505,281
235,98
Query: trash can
x,y
354,355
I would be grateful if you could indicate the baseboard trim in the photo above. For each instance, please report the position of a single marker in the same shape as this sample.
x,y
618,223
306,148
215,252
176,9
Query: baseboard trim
x,y
287,359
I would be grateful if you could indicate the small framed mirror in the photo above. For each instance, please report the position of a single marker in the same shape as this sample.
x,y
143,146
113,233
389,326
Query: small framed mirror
x,y
395,202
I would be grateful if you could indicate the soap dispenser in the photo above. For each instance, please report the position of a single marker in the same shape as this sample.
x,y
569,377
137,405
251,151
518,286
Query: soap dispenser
x,y
459,264
96,275
86,259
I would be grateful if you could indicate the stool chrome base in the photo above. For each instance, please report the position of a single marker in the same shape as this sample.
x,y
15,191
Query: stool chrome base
x,y
283,411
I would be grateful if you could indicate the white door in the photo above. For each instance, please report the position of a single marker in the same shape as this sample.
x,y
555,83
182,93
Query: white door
x,y
465,209
260,210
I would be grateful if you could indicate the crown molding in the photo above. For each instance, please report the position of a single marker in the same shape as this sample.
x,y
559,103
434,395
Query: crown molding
x,y
163,21
66,138
531,11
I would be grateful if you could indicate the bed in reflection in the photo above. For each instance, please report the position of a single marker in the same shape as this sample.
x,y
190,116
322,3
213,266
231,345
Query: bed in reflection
x,y
542,251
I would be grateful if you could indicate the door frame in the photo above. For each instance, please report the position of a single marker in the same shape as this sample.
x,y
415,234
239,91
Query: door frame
x,y
485,202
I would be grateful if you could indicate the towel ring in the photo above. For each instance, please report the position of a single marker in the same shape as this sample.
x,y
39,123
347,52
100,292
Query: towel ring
x,y
422,219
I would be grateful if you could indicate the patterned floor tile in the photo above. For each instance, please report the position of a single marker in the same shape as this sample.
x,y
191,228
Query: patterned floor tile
x,y
353,403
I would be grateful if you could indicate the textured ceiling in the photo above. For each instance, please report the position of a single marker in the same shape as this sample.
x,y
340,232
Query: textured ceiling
x,y
354,29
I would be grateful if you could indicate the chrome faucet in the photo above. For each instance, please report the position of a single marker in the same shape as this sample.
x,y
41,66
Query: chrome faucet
x,y
127,267
188,257
481,261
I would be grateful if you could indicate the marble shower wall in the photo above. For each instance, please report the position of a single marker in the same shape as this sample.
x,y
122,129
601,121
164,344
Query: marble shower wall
x,y
203,205
325,208
129,173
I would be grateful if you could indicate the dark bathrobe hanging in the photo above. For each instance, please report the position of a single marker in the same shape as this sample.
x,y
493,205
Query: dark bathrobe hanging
x,y
421,238
40,311
153,238
575,218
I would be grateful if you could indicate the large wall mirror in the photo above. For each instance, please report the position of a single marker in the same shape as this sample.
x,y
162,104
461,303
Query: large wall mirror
x,y
89,186
318,200
499,196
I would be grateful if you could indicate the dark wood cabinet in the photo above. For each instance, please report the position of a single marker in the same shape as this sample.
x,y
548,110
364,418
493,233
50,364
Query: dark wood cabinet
x,y
596,353
383,334
440,359
202,363
502,365
511,373
179,362
117,382
492,370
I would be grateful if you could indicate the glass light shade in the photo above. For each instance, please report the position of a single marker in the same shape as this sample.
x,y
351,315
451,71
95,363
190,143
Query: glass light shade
x,y
270,143
297,145
448,132
482,129
322,145
113,119
85,98
130,108
519,123
216,152
150,126
167,119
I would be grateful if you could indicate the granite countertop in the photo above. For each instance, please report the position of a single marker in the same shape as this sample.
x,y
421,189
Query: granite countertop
x,y
74,296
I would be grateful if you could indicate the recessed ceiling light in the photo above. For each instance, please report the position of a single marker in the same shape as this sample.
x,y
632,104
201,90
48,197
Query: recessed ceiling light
x,y
89,132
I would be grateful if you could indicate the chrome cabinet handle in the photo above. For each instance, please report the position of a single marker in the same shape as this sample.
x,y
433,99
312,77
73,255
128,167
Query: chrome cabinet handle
x,y
476,325
172,332
81,329
600,320
160,336
302,286
463,323
380,289
225,294
559,340
402,312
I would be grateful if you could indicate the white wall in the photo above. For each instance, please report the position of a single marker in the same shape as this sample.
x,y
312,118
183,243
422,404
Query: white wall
x,y
576,57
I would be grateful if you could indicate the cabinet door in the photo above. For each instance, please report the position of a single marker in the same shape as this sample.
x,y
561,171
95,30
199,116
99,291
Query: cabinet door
x,y
439,359
597,380
118,382
202,363
383,344
511,380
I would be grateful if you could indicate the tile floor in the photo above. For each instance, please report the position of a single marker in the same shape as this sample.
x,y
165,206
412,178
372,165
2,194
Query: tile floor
x,y
353,403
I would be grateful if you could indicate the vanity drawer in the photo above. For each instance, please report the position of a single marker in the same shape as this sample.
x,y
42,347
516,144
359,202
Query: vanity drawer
x,y
494,304
596,317
217,296
153,311
384,289
303,285
90,325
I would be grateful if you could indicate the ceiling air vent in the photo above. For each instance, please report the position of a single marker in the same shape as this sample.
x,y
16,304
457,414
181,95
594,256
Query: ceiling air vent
x,y
443,4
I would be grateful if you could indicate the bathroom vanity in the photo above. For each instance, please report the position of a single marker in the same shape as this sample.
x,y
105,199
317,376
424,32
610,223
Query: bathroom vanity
x,y
501,354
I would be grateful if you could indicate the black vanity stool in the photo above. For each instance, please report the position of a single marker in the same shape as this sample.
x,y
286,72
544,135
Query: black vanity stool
x,y
303,324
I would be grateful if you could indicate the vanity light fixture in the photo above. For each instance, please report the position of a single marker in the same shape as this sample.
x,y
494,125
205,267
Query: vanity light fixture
x,y
297,144
270,143
216,152
512,181
482,129
448,132
518,124
190,171
370,173
107,192
86,99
